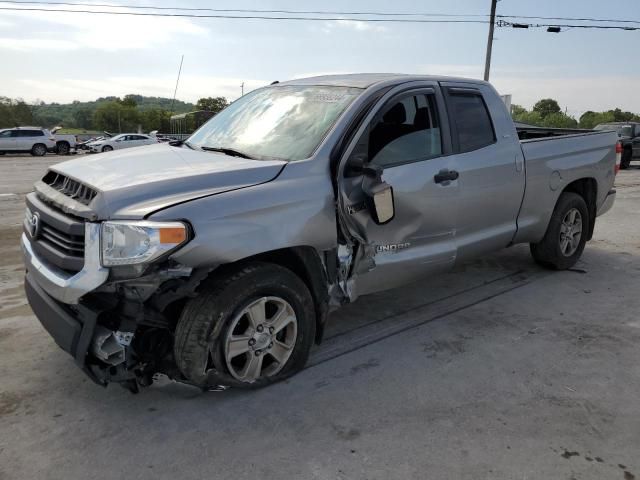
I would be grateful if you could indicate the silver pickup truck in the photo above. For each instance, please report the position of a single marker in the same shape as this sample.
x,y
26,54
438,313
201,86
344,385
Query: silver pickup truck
x,y
216,260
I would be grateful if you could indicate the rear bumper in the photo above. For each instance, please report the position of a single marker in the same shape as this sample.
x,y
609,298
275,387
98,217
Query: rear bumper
x,y
608,203
71,329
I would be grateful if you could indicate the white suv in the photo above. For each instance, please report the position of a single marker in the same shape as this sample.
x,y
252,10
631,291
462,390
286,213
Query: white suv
x,y
35,140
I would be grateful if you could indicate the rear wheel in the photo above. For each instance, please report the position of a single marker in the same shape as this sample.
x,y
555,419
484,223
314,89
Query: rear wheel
x,y
566,234
62,148
107,148
625,162
38,150
247,329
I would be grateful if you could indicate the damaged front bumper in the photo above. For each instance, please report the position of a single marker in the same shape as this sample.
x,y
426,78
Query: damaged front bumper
x,y
72,327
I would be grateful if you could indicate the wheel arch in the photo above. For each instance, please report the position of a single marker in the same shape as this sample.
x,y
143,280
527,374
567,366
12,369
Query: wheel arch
x,y
587,188
307,264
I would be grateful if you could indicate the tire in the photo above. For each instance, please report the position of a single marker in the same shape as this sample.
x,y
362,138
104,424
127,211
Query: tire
x,y
63,148
625,162
554,253
221,312
107,148
38,150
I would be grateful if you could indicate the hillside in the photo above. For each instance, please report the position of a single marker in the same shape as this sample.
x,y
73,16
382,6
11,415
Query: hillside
x,y
81,114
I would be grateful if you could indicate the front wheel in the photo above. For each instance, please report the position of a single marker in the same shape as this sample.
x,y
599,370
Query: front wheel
x,y
566,234
107,148
246,329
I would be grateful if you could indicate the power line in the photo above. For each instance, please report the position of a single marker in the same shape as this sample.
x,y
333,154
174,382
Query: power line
x,y
241,10
246,17
500,23
314,12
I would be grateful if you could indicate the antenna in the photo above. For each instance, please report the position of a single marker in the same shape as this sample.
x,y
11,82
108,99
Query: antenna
x,y
176,89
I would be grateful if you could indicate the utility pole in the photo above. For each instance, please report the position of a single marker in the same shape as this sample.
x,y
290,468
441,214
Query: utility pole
x,y
242,89
492,24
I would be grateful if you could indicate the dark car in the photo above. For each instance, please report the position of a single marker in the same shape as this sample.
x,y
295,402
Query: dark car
x,y
629,133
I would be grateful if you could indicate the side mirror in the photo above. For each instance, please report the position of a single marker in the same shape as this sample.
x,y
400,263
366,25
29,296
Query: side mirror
x,y
379,195
380,202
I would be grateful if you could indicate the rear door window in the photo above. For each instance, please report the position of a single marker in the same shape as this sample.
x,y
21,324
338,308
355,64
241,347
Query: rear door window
x,y
471,121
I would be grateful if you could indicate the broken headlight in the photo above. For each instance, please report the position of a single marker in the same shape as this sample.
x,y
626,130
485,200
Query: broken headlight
x,y
135,242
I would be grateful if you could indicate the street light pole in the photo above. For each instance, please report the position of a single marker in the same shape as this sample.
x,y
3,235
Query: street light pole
x,y
492,23
242,89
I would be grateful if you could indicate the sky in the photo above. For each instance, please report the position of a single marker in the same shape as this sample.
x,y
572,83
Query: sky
x,y
62,57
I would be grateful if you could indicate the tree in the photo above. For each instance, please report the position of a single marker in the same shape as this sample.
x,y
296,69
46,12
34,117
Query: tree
x,y
547,106
590,119
83,118
156,119
560,120
545,113
116,117
130,100
14,113
517,110
212,104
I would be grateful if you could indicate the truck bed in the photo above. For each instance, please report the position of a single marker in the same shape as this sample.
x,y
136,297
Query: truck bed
x,y
527,133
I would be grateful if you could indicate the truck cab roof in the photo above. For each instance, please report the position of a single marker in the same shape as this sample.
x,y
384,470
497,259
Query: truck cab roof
x,y
365,80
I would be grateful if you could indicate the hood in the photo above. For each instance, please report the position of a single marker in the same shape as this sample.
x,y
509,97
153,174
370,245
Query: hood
x,y
135,182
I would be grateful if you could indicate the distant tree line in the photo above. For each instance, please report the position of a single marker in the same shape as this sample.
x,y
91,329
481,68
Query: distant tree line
x,y
547,113
113,114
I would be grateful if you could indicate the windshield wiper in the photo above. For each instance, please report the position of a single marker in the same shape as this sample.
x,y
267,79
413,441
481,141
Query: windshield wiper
x,y
229,151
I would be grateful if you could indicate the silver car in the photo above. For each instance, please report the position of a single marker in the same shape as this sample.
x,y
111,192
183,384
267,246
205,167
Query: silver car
x,y
124,140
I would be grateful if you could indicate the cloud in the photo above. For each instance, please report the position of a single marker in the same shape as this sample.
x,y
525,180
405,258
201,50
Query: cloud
x,y
106,32
191,88
528,84
353,25
26,44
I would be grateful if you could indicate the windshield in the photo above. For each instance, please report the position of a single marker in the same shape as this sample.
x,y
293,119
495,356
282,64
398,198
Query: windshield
x,y
281,122
621,130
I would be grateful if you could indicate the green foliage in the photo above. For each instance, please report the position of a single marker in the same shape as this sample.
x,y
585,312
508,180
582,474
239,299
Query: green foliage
x,y
545,113
134,110
14,113
212,104
590,119
116,116
547,106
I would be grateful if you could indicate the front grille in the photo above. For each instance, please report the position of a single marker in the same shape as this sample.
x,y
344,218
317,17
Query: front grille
x,y
68,244
69,187
59,238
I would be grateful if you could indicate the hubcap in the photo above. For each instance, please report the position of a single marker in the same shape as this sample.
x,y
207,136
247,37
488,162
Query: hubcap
x,y
260,339
570,232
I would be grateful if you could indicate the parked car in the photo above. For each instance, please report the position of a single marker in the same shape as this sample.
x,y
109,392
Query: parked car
x,y
216,261
65,143
124,140
629,134
35,140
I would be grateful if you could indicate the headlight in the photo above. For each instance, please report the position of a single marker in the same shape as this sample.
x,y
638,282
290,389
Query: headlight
x,y
131,242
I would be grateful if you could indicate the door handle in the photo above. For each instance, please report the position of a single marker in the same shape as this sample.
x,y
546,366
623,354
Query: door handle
x,y
446,176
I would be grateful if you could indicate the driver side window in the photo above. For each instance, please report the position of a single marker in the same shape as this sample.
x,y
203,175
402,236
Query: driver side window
x,y
408,131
